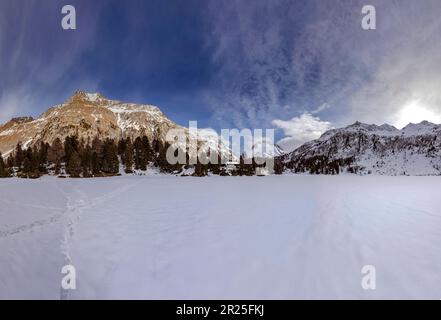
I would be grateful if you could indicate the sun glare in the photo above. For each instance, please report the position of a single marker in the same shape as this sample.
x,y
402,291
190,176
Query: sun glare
x,y
415,112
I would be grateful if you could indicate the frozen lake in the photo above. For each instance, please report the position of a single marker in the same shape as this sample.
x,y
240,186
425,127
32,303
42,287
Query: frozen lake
x,y
221,237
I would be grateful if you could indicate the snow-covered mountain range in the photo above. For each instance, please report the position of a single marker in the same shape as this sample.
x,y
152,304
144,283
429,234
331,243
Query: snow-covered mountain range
x,y
358,148
363,148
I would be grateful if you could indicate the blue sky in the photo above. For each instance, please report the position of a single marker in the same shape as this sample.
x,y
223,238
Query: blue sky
x,y
300,67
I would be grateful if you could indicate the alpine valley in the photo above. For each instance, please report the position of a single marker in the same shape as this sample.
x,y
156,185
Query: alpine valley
x,y
359,148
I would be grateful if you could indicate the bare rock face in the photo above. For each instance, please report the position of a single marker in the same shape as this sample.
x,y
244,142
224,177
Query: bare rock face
x,y
19,120
371,149
88,116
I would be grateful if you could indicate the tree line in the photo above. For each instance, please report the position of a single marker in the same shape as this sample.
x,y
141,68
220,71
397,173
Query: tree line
x,y
97,158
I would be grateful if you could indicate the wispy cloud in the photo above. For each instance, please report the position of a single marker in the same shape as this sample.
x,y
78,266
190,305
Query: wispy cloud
x,y
277,59
280,57
37,57
245,62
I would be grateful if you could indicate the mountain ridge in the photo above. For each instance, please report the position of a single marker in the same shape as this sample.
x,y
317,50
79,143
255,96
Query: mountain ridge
x,y
90,115
371,149
357,148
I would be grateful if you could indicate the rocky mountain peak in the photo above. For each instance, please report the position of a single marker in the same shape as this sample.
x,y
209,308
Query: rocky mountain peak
x,y
89,116
369,148
420,127
370,127
388,127
84,97
19,120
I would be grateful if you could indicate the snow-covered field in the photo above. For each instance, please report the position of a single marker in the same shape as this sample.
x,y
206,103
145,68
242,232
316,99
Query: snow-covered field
x,y
221,237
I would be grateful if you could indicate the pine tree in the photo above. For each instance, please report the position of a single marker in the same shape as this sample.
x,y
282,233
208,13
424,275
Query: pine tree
x,y
247,167
55,154
161,158
110,164
122,145
68,148
146,149
10,162
96,163
74,165
156,145
4,170
251,168
140,155
97,156
19,156
128,156
42,157
137,153
97,146
242,166
214,167
27,167
86,161
35,161
200,170
71,148
2,166
278,166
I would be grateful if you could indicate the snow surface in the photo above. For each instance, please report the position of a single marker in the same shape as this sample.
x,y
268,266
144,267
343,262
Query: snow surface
x,y
93,96
269,237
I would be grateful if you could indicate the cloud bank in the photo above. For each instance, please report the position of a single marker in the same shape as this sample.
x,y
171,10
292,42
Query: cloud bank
x,y
299,130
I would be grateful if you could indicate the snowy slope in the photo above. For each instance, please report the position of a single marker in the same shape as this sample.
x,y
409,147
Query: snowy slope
x,y
221,237
263,148
363,148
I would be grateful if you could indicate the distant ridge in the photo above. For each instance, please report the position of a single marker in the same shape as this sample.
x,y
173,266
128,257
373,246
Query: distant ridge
x,y
370,149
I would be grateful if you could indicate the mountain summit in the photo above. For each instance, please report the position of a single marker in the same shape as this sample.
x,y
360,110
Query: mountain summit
x,y
368,148
90,115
